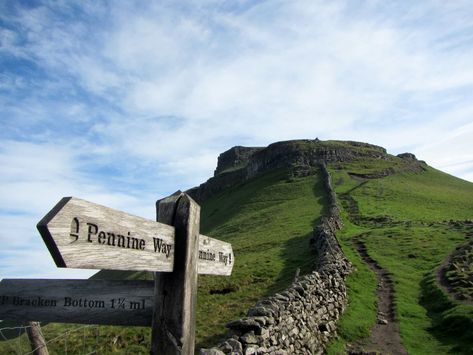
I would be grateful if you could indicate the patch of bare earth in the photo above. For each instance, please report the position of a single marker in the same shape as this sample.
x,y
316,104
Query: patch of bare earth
x,y
384,336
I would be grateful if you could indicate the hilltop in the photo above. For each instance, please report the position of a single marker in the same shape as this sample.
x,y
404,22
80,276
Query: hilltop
x,y
300,157
389,205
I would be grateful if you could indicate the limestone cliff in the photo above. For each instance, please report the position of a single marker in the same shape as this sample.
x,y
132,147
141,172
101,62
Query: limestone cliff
x,y
239,164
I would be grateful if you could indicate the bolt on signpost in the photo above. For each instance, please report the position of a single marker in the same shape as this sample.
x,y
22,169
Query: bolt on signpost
x,y
81,234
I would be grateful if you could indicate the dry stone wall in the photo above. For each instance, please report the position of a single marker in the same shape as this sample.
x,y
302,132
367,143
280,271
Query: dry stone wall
x,y
301,319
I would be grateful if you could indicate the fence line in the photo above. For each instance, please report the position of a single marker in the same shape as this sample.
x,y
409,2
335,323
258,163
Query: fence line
x,y
64,335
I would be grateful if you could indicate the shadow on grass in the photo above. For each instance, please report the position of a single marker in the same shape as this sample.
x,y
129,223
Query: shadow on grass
x,y
452,323
296,253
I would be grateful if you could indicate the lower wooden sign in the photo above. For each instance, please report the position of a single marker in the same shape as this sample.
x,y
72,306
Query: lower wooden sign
x,y
111,302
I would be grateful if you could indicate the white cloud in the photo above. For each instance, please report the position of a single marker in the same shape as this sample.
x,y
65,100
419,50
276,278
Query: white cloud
x,y
452,151
123,103
37,263
35,177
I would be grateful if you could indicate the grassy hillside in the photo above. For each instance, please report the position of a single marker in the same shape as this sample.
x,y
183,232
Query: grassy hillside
x,y
408,215
268,220
408,223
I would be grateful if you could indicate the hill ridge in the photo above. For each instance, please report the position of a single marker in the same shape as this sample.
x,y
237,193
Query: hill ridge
x,y
239,164
356,167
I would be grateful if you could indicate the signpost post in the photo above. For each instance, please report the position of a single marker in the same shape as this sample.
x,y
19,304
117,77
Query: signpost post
x,y
81,234
173,329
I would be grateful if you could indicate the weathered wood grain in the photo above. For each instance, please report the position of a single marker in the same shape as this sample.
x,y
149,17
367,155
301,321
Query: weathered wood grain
x,y
82,234
173,329
112,302
35,336
215,257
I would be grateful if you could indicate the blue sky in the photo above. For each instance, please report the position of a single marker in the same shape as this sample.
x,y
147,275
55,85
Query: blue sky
x,y
122,102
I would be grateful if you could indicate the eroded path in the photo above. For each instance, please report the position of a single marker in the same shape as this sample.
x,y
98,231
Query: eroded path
x,y
384,336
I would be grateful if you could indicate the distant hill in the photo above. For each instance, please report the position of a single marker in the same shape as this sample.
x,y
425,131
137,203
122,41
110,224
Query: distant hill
x,y
409,216
406,215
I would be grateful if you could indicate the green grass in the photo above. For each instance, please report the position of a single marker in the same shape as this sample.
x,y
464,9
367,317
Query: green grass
x,y
84,339
410,253
412,239
360,315
268,221
451,321
430,196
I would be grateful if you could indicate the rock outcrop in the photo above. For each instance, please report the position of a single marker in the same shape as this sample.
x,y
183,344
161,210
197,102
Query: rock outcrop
x,y
234,159
239,164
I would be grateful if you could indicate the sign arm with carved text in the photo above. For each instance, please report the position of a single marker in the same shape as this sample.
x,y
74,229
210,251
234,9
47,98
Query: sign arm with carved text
x,y
111,302
82,234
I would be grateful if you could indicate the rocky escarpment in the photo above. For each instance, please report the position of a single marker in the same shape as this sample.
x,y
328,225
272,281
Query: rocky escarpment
x,y
301,319
239,164
234,159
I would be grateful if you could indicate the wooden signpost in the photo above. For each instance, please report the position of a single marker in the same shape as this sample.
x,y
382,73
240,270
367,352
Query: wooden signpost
x,y
81,234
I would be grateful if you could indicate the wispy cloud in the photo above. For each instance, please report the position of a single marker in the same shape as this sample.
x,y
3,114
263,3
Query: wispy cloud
x,y
124,102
